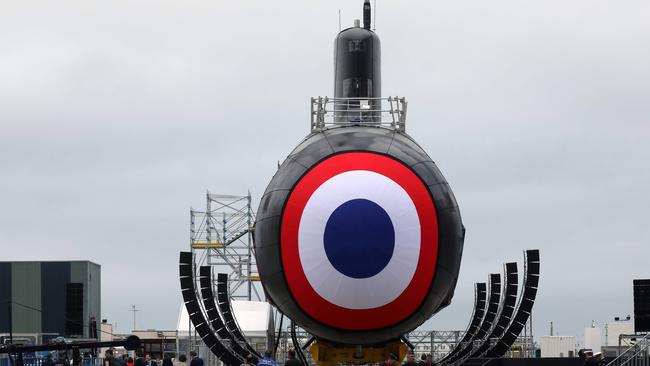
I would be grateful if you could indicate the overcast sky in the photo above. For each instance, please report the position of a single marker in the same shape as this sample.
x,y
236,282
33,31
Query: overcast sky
x,y
117,116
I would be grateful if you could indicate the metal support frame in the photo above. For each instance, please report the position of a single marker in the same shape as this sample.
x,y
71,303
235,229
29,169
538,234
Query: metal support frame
x,y
228,316
438,343
223,325
221,237
286,342
518,324
506,309
521,347
196,313
637,355
480,337
480,308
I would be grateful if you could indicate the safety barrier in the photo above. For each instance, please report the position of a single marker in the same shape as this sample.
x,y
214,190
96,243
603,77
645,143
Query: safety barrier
x,y
389,112
637,355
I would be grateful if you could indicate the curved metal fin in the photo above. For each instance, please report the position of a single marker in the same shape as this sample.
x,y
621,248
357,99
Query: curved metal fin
x,y
188,289
486,323
524,308
225,308
479,311
506,309
215,318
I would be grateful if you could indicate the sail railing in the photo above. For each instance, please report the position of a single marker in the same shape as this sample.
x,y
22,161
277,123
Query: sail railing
x,y
388,112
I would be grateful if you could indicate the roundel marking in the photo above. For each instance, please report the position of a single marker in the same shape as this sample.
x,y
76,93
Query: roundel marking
x,y
359,241
390,282
359,238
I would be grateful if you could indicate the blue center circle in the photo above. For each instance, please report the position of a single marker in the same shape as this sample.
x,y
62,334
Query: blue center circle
x,y
359,238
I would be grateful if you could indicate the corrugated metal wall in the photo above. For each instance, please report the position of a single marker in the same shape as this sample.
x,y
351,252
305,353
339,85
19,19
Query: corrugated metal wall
x,y
38,294
54,276
26,295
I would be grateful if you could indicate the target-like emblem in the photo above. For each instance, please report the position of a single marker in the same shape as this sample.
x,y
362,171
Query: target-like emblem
x,y
359,241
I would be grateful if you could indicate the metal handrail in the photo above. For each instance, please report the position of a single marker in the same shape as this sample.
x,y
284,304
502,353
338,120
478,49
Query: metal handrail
x,y
387,112
638,354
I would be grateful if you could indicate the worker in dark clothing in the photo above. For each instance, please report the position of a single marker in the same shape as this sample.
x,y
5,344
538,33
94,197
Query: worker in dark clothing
x,y
139,360
423,359
292,360
109,358
196,360
429,360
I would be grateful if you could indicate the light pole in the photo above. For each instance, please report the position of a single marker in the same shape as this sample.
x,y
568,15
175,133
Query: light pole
x,y
134,310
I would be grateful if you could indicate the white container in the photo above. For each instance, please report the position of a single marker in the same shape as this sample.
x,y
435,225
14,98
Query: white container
x,y
558,346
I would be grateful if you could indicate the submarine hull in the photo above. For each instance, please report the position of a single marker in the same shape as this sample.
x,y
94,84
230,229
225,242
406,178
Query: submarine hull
x,y
367,185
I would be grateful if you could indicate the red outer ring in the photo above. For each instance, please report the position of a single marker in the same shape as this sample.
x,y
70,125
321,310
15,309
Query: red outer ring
x,y
415,293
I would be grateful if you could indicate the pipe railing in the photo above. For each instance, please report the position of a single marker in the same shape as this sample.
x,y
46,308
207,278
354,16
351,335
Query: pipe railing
x,y
637,355
389,112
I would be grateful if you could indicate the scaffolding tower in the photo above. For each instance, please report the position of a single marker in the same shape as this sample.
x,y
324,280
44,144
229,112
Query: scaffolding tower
x,y
221,237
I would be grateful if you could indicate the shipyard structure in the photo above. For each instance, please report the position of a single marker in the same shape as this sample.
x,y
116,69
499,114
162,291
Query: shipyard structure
x,y
40,301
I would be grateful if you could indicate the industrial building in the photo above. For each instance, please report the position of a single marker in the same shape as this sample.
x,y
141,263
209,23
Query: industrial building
x,y
613,330
593,338
43,300
619,336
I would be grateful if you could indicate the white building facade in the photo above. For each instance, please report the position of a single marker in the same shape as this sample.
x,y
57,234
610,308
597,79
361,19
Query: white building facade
x,y
593,339
558,346
615,329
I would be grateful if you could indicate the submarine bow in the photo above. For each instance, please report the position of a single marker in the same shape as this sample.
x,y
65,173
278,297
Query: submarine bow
x,y
358,236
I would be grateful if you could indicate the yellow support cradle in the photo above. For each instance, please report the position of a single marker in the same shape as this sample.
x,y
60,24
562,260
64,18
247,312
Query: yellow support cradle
x,y
327,354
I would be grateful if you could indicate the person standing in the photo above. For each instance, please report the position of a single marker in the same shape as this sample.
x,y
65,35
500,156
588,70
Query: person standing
x,y
196,360
267,360
429,360
292,361
139,361
109,358
182,360
410,360
423,360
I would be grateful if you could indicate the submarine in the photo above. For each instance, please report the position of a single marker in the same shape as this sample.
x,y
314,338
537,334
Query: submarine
x,y
358,237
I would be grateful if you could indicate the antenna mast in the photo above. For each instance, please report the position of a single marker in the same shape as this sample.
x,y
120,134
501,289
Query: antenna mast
x,y
374,15
339,20
134,310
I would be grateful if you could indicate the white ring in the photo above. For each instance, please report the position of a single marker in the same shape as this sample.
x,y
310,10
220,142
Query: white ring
x,y
390,282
